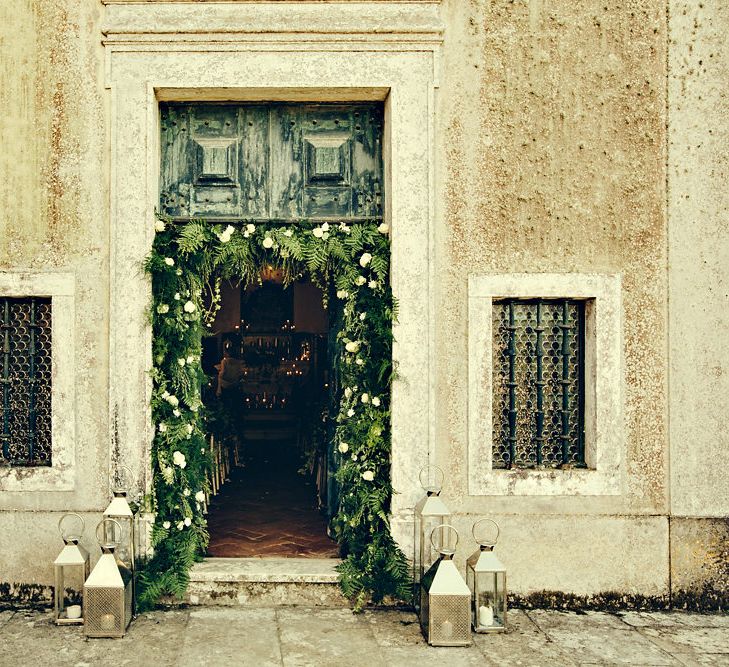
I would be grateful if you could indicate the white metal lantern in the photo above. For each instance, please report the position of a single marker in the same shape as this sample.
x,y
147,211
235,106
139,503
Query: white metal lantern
x,y
486,578
445,599
430,512
120,511
108,590
71,568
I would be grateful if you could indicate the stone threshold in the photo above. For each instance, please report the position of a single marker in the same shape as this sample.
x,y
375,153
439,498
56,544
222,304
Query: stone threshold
x,y
266,570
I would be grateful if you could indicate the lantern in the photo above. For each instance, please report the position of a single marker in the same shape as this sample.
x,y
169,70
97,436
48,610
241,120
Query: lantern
x,y
71,566
430,512
108,590
120,511
445,599
486,578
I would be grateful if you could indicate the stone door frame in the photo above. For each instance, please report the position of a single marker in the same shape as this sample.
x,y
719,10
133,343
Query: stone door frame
x,y
338,51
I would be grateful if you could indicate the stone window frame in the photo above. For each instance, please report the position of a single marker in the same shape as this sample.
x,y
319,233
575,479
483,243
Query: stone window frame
x,y
604,438
60,475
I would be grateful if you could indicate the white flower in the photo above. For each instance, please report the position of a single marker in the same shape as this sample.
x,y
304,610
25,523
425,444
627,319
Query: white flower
x,y
325,226
325,235
163,308
178,458
166,525
359,362
246,235
354,457
190,428
165,394
362,316
188,521
200,496
180,525
225,235
162,427
376,402
350,412
186,492
368,475
372,284
202,450
173,400
342,294
344,227
194,408
289,233
177,296
178,272
159,226
190,359
383,228
267,242
250,228
343,447
318,232
361,280
181,361
176,412
169,261
189,307
365,259
347,392
365,398
352,346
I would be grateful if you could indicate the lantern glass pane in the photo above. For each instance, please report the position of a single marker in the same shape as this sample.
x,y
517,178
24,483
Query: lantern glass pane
x,y
489,600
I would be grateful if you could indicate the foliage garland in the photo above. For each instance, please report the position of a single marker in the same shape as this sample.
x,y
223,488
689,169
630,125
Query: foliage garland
x,y
187,262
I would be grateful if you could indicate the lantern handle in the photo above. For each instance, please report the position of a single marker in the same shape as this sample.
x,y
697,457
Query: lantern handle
x,y
71,537
105,542
129,479
440,548
489,543
431,488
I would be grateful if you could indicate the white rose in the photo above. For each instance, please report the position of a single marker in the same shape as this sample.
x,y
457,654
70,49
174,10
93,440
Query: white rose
x,y
173,401
343,447
178,272
177,296
190,428
188,521
159,226
325,226
362,316
354,457
178,458
180,525
229,231
189,307
194,408
190,359
165,394
368,475
365,398
383,228
162,427
372,284
267,242
288,233
224,238
365,259
200,496
176,412
250,228
347,392
169,261
359,362
350,412
352,346
186,492
325,235
376,402
361,280
342,294
318,232
181,361
166,525
246,235
163,308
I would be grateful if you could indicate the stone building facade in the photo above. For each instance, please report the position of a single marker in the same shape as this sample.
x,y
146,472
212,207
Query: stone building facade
x,y
533,149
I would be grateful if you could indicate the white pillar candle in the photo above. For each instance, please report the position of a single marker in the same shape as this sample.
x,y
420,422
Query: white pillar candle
x,y
446,629
73,611
485,616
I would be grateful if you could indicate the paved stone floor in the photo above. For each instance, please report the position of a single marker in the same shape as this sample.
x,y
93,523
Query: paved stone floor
x,y
332,637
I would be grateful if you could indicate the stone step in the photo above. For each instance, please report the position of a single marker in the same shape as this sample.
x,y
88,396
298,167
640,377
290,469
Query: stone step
x,y
265,582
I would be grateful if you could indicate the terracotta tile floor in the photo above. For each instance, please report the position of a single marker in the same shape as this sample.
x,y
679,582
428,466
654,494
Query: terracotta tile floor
x,y
267,509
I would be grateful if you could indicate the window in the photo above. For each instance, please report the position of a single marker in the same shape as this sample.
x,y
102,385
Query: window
x,y
25,431
538,383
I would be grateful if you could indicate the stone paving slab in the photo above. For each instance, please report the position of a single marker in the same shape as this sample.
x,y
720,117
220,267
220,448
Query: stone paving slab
x,y
302,636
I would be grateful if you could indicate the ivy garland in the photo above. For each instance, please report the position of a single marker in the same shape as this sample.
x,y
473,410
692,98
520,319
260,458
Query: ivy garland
x,y
186,265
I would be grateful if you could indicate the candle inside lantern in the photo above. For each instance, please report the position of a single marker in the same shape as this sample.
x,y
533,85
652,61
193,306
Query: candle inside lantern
x,y
446,629
485,616
107,622
73,611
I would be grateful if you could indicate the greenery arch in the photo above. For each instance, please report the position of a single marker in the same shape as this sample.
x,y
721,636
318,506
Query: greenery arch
x,y
189,260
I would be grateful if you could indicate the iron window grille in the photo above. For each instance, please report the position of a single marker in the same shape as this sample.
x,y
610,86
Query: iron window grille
x,y
538,383
26,381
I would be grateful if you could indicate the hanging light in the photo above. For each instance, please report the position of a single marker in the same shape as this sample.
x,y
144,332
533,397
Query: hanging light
x,y
71,566
430,512
445,601
486,578
108,589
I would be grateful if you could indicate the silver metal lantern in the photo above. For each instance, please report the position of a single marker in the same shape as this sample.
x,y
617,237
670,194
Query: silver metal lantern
x,y
445,599
108,590
486,578
71,568
430,512
120,511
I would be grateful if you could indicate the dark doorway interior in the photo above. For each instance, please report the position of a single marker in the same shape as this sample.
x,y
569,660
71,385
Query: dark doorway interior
x,y
269,357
